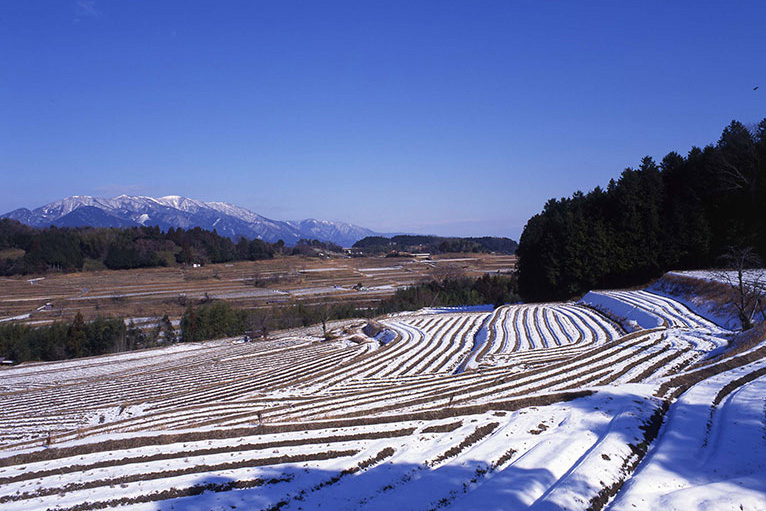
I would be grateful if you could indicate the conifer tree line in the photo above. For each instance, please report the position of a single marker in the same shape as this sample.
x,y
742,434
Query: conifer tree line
x,y
21,342
680,213
25,249
375,245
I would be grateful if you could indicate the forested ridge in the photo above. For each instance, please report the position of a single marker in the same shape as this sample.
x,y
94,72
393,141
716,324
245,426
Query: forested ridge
x,y
434,244
25,249
683,213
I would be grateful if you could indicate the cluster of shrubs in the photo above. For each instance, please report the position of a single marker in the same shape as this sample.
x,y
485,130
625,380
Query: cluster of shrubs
x,y
450,292
58,341
21,342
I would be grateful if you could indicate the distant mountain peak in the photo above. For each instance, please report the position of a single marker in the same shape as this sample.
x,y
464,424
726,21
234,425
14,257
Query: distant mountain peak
x,y
178,211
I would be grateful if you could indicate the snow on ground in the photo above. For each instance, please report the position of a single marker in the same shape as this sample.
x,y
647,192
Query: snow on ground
x,y
32,375
722,314
630,316
255,292
464,308
750,276
496,461
250,293
316,291
15,318
382,268
707,458
479,340
541,406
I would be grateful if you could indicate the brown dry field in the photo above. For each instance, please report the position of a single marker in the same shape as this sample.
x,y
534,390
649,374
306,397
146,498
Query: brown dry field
x,y
145,293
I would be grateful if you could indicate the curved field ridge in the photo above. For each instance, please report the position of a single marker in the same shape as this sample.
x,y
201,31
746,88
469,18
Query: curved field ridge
x,y
708,453
646,310
519,328
540,406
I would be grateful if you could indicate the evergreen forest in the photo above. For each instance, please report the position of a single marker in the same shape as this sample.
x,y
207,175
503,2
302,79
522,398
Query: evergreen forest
x,y
684,212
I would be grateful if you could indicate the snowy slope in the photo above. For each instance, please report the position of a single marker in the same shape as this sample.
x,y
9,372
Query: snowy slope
x,y
563,410
707,458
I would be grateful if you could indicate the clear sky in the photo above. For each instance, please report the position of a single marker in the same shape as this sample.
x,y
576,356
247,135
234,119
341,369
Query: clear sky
x,y
443,117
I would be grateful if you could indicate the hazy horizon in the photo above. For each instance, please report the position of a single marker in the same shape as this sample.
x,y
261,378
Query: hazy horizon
x,y
443,118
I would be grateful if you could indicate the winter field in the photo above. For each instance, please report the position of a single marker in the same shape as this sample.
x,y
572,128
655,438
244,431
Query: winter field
x,y
147,293
626,400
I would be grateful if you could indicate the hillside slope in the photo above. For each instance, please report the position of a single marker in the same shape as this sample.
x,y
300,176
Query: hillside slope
x,y
548,406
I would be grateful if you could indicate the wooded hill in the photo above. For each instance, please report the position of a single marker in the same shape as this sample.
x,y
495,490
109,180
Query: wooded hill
x,y
683,213
434,244
26,249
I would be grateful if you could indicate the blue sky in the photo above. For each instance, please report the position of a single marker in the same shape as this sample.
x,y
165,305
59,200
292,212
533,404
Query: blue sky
x,y
453,118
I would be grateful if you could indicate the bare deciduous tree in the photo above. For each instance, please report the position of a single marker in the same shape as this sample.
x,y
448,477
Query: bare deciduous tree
x,y
324,315
442,272
742,272
260,321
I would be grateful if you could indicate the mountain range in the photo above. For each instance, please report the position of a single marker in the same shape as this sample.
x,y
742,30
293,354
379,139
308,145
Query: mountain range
x,y
176,211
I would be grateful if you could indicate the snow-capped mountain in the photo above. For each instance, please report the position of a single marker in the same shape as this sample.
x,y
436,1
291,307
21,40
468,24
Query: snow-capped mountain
x,y
176,211
338,232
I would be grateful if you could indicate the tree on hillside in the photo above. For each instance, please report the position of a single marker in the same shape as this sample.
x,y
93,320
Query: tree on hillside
x,y
134,336
168,332
325,314
441,272
189,325
741,271
76,338
260,322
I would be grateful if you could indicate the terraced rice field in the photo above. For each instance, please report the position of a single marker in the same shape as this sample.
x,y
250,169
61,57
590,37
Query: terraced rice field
x,y
546,406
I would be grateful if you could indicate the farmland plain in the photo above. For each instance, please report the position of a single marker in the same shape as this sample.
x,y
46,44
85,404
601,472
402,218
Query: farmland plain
x,y
145,293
